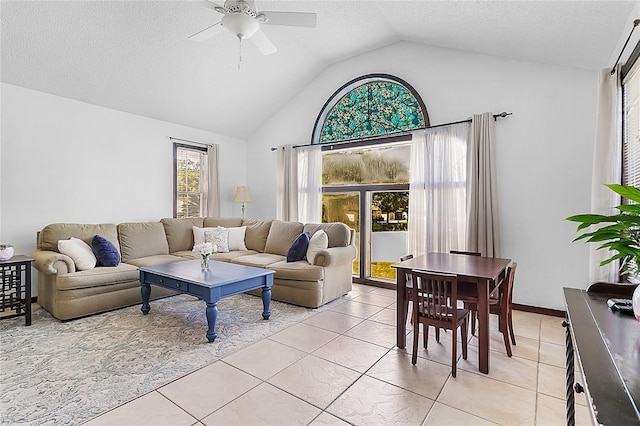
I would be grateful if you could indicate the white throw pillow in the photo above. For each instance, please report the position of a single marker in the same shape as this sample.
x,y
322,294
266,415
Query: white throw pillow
x,y
79,252
236,238
198,234
319,241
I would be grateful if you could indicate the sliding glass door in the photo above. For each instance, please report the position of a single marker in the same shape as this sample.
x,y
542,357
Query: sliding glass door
x,y
367,189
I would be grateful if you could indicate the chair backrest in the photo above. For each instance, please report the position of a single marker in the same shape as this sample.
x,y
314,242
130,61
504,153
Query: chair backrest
x,y
468,253
507,292
436,295
407,274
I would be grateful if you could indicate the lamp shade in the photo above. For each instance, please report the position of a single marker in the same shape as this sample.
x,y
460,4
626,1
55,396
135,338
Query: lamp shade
x,y
243,195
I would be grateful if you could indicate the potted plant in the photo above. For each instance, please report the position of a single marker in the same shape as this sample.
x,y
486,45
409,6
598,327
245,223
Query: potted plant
x,y
619,233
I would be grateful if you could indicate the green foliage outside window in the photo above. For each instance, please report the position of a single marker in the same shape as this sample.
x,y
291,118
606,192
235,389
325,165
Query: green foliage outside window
x,y
188,183
385,165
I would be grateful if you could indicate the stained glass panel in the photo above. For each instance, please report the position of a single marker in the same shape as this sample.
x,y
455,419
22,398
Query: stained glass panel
x,y
370,110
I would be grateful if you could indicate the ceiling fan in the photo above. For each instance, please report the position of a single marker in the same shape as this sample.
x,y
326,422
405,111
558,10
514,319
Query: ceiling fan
x,y
241,18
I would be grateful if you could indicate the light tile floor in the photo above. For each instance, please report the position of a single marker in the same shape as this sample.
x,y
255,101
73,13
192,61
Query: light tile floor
x,y
341,367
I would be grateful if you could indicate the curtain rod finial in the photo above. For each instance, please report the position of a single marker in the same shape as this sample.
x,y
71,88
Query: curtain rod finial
x,y
636,22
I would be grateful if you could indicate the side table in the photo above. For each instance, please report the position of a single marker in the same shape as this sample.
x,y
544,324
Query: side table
x,y
15,287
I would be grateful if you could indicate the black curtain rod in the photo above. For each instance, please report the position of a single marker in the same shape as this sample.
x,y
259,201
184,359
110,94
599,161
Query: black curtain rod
x,y
635,24
186,140
468,120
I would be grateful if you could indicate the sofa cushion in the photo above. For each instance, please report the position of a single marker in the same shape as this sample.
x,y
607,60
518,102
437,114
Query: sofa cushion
x,y
257,232
157,259
225,222
298,250
179,232
259,260
318,242
97,277
339,234
142,239
226,257
79,252
106,253
300,271
281,236
50,235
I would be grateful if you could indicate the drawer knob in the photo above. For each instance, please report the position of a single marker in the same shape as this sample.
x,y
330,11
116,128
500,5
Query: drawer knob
x,y
161,280
177,285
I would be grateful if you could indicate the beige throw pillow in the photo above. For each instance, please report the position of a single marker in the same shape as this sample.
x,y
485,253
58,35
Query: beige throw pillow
x,y
318,242
79,252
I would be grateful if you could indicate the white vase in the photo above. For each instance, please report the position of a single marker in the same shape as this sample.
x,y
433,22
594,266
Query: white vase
x,y
636,302
6,254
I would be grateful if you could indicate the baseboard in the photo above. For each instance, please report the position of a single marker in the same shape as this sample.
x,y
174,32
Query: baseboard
x,y
539,310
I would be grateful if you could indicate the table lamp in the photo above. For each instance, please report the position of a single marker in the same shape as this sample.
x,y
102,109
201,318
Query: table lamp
x,y
243,196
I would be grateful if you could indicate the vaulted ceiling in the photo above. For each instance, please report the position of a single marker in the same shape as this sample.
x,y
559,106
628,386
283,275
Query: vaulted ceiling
x,y
135,56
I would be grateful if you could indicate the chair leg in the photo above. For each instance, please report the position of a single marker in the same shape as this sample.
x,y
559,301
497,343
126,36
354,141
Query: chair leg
x,y
416,331
437,334
454,351
406,308
505,333
465,338
473,322
425,336
510,324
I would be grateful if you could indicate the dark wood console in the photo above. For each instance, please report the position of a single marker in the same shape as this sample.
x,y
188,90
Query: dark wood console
x,y
606,346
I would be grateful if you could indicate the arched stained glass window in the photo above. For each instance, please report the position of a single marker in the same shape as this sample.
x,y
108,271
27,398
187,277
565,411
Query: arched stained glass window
x,y
369,107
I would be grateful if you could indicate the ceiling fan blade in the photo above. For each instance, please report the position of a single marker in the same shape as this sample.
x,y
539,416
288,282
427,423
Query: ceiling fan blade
x,y
207,32
216,7
263,44
292,19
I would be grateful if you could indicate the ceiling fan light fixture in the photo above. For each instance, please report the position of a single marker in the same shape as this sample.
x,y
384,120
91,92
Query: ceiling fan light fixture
x,y
240,24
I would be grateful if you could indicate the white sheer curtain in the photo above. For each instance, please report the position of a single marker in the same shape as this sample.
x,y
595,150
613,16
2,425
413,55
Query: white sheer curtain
x,y
606,166
309,184
483,233
299,196
437,189
287,181
210,183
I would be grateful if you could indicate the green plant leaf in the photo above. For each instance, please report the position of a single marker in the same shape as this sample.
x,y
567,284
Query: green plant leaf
x,y
629,192
630,208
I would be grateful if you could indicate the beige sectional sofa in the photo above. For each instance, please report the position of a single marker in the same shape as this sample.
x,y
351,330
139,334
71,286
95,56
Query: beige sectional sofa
x,y
69,293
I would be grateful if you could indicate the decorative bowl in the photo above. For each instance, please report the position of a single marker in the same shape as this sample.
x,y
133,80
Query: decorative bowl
x,y
6,252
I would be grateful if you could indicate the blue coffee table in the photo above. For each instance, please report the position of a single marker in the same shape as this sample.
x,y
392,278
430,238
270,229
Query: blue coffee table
x,y
222,279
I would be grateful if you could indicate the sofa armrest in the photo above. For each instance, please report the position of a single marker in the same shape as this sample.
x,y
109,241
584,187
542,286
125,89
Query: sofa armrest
x,y
51,262
336,256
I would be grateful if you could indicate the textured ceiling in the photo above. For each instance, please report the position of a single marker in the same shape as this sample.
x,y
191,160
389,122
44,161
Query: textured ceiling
x,y
135,56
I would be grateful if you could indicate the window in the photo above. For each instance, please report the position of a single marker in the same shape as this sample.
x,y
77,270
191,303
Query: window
x,y
631,126
189,168
372,106
365,180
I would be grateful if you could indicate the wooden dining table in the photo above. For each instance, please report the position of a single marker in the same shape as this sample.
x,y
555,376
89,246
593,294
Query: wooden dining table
x,y
484,272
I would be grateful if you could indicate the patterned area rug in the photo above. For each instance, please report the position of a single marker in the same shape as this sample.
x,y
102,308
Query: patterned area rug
x,y
57,372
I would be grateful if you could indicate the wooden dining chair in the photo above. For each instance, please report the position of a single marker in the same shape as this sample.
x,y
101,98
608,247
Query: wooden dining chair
x,y
435,303
408,290
408,287
501,305
468,253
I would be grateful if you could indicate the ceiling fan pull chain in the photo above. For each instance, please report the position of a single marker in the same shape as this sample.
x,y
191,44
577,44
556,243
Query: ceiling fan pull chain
x,y
239,52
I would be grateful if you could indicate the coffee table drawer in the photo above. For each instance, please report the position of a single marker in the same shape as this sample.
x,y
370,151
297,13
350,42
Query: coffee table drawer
x,y
167,282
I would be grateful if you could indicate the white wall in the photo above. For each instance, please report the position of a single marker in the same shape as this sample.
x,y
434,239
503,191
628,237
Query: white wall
x,y
67,161
543,150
